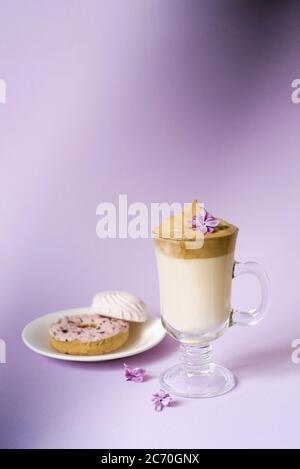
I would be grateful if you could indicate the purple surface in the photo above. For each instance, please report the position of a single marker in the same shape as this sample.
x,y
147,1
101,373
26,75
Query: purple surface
x,y
163,101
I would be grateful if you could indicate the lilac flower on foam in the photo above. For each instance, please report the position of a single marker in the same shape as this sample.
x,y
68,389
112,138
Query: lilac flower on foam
x,y
161,399
134,374
204,222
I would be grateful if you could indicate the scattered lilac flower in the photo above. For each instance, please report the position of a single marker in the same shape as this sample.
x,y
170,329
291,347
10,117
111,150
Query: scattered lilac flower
x,y
161,399
134,374
204,222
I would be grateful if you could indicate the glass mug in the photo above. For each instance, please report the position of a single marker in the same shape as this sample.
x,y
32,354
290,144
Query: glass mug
x,y
195,280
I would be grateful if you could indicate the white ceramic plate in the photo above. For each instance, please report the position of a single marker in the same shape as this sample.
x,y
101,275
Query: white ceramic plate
x,y
142,337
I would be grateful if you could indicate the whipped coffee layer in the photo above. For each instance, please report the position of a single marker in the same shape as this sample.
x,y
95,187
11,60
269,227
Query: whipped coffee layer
x,y
185,235
219,243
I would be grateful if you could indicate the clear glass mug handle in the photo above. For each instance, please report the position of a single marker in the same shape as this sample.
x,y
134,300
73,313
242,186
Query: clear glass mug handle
x,y
253,316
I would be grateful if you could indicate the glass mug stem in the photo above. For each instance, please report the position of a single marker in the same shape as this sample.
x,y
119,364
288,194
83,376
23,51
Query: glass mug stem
x,y
196,357
197,375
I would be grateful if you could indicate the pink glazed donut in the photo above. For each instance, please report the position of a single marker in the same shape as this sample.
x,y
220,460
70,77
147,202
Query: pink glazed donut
x,y
88,334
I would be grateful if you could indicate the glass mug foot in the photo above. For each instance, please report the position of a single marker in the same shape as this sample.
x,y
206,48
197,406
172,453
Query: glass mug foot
x,y
197,376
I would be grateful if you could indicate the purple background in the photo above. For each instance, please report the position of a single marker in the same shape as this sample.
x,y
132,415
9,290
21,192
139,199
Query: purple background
x,y
164,101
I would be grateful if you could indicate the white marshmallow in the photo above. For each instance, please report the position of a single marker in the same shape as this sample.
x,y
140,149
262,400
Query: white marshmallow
x,y
120,305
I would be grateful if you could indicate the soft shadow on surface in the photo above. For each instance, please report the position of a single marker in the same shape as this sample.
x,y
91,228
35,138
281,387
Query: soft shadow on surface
x,y
178,402
267,362
167,347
